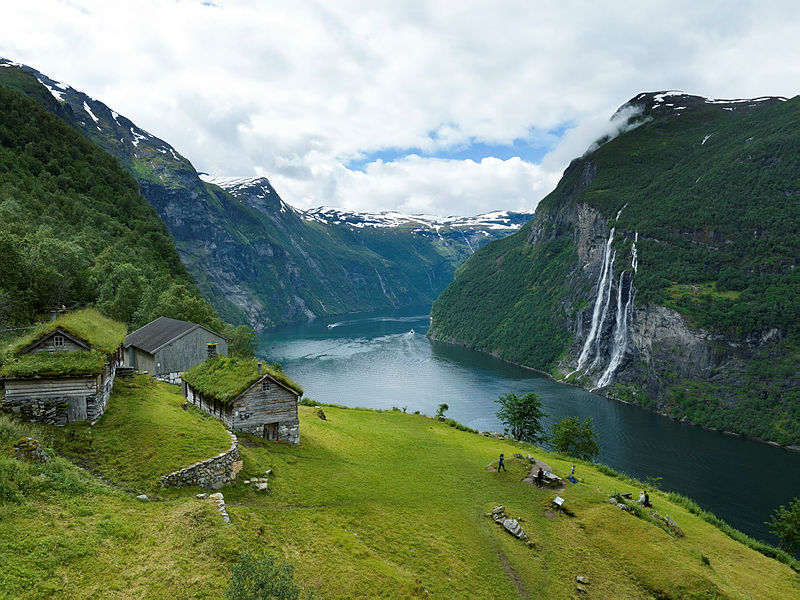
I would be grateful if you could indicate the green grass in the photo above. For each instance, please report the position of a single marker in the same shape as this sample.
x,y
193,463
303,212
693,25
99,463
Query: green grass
x,y
382,504
372,505
89,325
225,377
693,291
143,435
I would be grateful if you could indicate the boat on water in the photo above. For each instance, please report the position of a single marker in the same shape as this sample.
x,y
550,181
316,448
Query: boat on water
x,y
412,331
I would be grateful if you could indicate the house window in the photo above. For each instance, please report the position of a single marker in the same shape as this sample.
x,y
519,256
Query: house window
x,y
265,386
58,341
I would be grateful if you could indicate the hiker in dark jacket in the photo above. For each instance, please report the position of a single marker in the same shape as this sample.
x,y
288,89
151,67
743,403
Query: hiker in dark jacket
x,y
500,463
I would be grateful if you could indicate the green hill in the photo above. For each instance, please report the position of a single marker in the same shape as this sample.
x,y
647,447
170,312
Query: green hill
x,y
371,504
662,270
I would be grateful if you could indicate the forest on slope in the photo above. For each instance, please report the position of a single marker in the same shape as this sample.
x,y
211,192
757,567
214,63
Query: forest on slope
x,y
710,194
75,230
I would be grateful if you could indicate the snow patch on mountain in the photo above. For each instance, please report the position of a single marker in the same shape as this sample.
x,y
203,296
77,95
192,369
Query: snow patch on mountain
x,y
260,187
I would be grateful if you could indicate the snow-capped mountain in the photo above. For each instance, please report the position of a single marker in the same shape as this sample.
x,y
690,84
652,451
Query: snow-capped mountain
x,y
259,188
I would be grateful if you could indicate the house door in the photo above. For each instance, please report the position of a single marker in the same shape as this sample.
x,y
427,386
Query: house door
x,y
271,432
76,409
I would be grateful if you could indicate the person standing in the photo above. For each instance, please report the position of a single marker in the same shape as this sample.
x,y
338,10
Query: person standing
x,y
500,464
573,470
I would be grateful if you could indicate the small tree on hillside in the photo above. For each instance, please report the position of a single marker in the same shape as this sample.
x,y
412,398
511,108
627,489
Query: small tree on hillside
x,y
785,523
263,577
523,416
577,439
443,408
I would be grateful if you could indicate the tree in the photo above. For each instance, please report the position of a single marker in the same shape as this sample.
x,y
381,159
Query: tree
x,y
443,408
263,577
242,341
785,523
577,439
523,416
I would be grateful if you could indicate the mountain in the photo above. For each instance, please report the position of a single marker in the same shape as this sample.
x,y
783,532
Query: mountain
x,y
74,230
255,258
662,270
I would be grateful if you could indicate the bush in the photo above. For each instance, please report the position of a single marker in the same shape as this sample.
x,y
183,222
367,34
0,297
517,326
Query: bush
x,y
263,577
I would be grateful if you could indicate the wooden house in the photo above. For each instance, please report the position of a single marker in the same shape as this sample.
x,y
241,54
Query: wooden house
x,y
165,348
246,396
63,371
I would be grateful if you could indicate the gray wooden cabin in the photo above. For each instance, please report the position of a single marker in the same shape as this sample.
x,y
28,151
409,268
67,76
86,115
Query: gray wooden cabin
x,y
267,409
61,400
165,348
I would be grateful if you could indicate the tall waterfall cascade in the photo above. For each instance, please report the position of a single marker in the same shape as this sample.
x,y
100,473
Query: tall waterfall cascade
x,y
593,346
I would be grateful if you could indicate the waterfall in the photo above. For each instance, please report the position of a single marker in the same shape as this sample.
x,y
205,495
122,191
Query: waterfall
x,y
598,303
606,304
601,304
634,255
620,337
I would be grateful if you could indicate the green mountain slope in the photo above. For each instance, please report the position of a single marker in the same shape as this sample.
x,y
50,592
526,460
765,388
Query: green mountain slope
x,y
662,269
73,228
370,504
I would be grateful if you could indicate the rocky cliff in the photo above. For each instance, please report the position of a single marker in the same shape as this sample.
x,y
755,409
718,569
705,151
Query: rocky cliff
x,y
662,270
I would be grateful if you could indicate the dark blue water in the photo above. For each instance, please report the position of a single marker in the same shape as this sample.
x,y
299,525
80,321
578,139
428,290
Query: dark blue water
x,y
373,360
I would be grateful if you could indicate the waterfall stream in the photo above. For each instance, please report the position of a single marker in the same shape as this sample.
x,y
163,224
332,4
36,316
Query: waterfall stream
x,y
592,346
598,303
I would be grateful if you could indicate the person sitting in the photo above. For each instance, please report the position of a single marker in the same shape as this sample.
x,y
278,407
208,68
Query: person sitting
x,y
539,477
644,498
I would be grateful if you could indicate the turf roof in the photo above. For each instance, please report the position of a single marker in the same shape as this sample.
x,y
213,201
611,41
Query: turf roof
x,y
88,325
225,377
73,363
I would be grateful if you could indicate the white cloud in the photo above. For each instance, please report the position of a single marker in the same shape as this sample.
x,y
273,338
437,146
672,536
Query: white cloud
x,y
296,90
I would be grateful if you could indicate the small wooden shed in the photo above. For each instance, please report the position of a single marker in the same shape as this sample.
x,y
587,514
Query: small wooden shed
x,y
165,347
246,396
63,371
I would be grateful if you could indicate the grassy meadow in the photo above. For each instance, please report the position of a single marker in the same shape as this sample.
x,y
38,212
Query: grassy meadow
x,y
369,505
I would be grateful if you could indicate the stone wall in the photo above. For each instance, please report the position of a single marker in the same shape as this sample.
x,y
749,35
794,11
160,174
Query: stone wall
x,y
211,473
174,377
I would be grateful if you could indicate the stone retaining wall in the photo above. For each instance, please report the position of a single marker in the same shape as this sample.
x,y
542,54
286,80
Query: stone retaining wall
x,y
211,473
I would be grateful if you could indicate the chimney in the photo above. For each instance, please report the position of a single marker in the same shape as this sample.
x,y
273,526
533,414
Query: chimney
x,y
260,366
212,349
52,315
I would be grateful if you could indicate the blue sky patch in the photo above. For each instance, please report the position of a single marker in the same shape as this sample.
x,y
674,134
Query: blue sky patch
x,y
531,150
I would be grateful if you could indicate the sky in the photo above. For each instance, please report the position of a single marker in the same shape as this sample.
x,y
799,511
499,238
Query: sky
x,y
438,107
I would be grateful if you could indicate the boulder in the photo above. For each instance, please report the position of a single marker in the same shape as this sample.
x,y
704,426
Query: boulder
x,y
497,510
582,579
28,449
142,497
262,486
514,528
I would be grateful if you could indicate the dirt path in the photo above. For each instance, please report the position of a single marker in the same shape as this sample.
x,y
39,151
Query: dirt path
x,y
523,593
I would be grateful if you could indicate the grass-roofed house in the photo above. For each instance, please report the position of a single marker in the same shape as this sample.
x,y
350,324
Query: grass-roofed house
x,y
63,371
247,396
165,347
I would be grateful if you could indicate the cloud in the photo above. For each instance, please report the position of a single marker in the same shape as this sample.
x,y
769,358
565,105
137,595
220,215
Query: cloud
x,y
297,90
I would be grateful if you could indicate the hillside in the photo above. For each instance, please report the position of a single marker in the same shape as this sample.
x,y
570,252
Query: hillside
x,y
255,259
662,270
75,231
370,504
